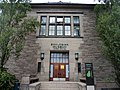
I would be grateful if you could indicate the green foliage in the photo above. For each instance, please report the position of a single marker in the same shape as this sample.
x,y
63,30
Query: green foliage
x,y
6,80
14,26
108,26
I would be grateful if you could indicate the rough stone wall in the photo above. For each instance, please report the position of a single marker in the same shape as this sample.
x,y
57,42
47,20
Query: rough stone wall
x,y
91,49
26,64
100,85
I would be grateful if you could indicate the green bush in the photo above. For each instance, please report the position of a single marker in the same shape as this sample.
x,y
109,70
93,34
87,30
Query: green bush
x,y
7,80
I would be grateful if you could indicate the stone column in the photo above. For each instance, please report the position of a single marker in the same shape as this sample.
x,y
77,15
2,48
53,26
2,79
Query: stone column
x,y
25,82
76,71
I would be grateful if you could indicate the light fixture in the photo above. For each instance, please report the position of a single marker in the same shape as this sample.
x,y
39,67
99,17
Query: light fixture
x,y
42,56
76,56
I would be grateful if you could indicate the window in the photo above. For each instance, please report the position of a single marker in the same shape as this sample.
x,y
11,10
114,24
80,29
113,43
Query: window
x,y
52,19
76,20
43,19
39,66
67,30
67,20
79,67
59,30
76,26
60,26
43,30
76,30
59,19
43,25
52,30
59,57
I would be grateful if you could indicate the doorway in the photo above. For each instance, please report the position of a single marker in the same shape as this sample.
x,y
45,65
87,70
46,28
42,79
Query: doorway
x,y
59,66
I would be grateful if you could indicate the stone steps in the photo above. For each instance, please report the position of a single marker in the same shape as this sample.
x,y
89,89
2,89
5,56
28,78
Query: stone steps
x,y
59,86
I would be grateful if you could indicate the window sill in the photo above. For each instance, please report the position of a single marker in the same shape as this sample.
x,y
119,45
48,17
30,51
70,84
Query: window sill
x,y
59,37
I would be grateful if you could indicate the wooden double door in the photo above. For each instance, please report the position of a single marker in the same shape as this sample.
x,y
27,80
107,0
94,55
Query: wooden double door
x,y
59,71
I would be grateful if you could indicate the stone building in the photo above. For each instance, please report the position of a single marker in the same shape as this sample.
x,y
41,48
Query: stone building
x,y
64,42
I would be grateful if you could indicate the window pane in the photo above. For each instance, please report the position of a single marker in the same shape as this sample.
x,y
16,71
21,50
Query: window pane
x,y
64,60
59,19
59,30
67,30
67,19
67,71
43,29
76,30
79,67
52,59
75,19
52,30
51,71
52,54
52,19
43,19
61,60
39,66
57,59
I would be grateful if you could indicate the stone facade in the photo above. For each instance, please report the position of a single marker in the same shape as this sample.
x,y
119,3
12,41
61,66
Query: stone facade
x,y
88,45
27,62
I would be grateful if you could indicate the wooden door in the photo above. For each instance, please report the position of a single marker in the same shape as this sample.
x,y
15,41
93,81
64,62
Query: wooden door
x,y
56,70
59,71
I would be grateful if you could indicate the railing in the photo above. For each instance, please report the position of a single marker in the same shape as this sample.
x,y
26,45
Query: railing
x,y
28,80
81,86
34,86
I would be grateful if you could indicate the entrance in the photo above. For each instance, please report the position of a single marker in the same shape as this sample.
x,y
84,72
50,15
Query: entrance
x,y
59,66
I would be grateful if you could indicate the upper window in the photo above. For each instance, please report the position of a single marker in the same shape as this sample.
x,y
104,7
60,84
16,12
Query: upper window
x,y
43,25
52,19
76,25
67,20
51,29
59,19
60,26
43,19
76,19
42,29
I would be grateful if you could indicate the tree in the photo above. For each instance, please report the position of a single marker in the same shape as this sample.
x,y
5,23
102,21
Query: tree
x,y
108,27
14,25
13,28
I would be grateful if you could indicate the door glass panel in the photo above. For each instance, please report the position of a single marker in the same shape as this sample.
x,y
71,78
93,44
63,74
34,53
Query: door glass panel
x,y
57,59
52,59
67,71
62,67
51,71
60,60
63,59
